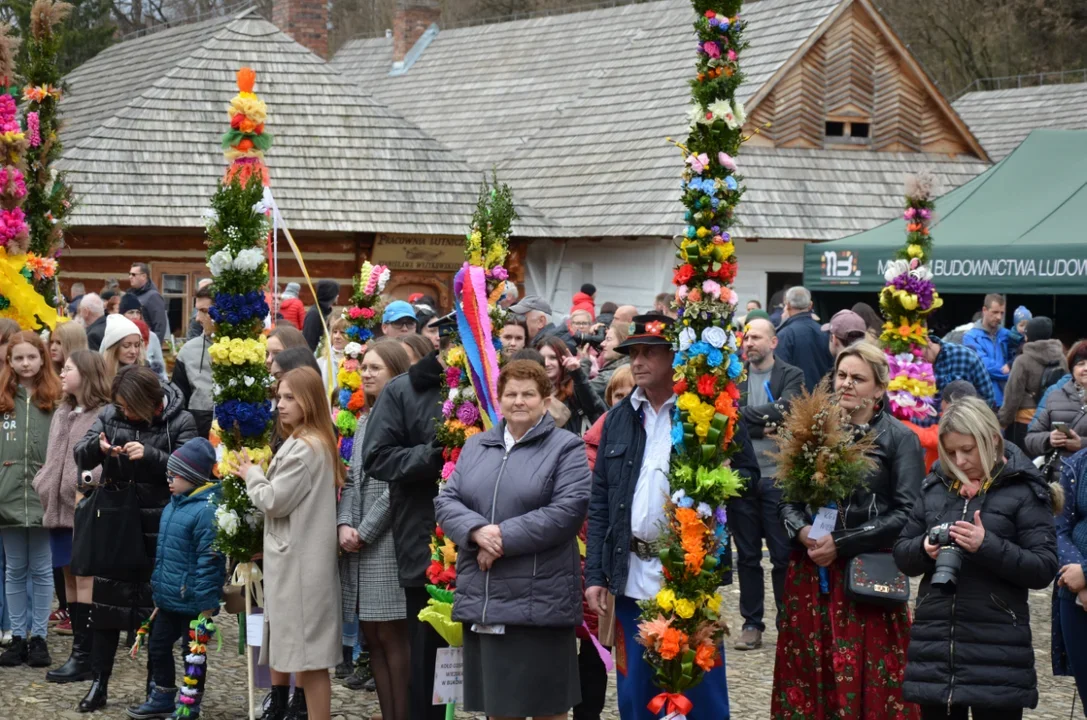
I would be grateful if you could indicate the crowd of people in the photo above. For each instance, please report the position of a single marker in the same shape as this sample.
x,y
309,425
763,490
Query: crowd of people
x,y
108,484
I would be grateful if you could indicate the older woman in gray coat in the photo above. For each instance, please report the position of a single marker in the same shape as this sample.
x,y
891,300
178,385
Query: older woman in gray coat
x,y
513,507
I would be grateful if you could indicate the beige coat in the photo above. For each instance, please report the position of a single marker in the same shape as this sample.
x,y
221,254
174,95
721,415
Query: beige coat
x,y
302,618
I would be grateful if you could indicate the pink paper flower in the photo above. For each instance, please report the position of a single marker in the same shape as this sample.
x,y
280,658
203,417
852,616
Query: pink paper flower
x,y
452,377
698,162
351,365
33,129
725,160
681,292
367,313
712,287
447,470
354,313
447,409
731,55
712,49
500,273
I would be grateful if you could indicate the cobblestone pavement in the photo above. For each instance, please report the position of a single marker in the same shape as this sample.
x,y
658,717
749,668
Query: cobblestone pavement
x,y
24,694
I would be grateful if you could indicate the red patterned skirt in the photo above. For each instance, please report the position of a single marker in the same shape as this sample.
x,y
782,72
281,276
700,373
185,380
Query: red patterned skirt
x,y
837,658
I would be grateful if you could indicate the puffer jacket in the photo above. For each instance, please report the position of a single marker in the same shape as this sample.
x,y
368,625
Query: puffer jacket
x,y
22,450
57,479
189,573
1067,404
1024,387
192,375
871,518
537,492
994,355
1071,527
122,599
293,311
972,645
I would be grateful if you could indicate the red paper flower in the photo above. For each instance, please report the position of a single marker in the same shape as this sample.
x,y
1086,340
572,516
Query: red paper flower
x,y
706,385
455,454
680,387
438,532
434,572
683,273
711,14
654,328
733,391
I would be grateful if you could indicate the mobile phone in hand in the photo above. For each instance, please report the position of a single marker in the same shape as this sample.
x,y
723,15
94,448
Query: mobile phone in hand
x,y
1060,427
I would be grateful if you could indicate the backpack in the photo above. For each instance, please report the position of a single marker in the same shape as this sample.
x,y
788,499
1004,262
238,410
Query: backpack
x,y
1051,375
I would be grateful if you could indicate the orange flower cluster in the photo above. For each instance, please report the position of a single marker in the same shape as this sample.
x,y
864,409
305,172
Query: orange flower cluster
x,y
706,656
672,643
692,533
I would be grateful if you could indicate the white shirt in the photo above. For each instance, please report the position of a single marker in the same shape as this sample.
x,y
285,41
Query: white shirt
x,y
644,577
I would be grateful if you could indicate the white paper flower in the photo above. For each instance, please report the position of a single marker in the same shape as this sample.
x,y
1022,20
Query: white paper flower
x,y
227,520
249,259
382,279
252,520
352,349
220,262
453,394
921,272
739,111
704,510
732,345
895,268
468,394
722,110
715,337
677,496
249,381
686,337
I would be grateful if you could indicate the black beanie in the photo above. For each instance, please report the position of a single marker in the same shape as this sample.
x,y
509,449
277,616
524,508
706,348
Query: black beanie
x,y
588,289
1039,328
130,302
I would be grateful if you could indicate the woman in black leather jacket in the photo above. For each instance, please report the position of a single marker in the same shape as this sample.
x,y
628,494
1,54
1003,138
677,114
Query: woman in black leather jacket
x,y
970,647
836,656
132,439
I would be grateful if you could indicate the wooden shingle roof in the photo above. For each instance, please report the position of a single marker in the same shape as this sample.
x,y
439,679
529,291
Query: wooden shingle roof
x,y
574,109
145,118
1002,119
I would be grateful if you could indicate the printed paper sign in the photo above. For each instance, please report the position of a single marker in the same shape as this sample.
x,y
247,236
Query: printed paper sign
x,y
254,629
824,523
448,676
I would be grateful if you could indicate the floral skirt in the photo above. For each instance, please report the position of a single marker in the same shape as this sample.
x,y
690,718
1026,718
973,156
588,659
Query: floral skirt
x,y
837,658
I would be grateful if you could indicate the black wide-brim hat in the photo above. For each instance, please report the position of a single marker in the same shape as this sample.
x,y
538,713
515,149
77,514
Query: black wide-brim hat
x,y
647,330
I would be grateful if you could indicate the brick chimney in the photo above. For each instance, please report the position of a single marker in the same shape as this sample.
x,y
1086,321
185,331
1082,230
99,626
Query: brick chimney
x,y
410,21
306,21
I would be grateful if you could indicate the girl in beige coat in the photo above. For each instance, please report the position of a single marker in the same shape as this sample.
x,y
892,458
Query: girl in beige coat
x,y
302,586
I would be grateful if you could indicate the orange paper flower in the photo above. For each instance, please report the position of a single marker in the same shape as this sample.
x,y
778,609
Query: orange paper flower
x,y
672,643
246,79
705,657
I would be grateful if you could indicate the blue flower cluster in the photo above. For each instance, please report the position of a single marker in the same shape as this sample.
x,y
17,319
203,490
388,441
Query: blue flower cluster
x,y
345,397
359,335
703,185
251,418
238,309
347,444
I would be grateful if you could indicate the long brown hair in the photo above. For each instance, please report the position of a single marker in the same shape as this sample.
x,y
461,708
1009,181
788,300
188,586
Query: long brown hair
x,y
309,391
395,358
564,388
141,390
46,391
71,337
94,383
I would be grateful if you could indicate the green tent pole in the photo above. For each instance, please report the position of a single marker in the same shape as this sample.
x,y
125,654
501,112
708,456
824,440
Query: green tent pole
x,y
450,711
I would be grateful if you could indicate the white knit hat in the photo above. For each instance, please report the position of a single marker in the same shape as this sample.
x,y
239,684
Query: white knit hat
x,y
118,327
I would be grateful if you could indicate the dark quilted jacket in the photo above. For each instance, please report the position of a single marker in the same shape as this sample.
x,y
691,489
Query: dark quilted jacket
x,y
189,573
122,601
973,646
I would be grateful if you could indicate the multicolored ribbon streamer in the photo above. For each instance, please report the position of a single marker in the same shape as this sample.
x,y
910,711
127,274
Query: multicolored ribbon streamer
x,y
474,326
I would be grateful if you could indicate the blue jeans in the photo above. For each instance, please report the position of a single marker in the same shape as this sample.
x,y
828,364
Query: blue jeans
x,y
1074,629
26,552
5,619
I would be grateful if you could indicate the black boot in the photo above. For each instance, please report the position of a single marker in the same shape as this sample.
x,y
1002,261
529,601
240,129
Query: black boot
x,y
348,665
96,697
277,703
78,667
298,709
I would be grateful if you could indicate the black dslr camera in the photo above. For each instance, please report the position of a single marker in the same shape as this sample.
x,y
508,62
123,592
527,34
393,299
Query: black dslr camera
x,y
948,559
595,340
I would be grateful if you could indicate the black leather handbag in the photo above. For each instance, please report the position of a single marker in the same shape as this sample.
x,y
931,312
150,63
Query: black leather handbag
x,y
82,559
874,578
116,540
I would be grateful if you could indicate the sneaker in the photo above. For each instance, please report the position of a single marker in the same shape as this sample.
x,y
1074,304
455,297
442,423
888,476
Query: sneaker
x,y
15,654
64,627
38,653
5,638
750,639
58,616
343,670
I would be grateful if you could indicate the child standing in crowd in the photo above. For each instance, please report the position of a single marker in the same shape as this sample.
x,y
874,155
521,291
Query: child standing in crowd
x,y
188,576
29,393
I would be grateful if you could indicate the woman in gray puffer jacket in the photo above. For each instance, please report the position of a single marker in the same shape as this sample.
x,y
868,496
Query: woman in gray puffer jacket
x,y
1064,408
514,506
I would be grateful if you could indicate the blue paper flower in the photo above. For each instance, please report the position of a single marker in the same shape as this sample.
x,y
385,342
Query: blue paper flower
x,y
700,348
686,502
730,183
735,367
345,397
237,309
714,357
677,435
679,359
252,419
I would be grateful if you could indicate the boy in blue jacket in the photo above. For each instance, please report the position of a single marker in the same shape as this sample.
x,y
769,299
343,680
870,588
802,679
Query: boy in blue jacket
x,y
188,578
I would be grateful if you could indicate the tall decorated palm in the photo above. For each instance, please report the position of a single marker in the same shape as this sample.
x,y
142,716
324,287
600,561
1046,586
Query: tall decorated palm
x,y
682,627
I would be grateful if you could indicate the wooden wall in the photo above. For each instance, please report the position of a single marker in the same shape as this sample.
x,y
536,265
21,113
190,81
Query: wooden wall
x,y
855,72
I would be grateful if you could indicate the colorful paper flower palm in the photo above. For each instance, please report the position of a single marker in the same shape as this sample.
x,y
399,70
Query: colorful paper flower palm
x,y
906,302
237,229
682,627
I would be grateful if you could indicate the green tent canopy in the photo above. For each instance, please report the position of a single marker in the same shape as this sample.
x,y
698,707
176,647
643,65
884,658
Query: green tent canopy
x,y
1019,227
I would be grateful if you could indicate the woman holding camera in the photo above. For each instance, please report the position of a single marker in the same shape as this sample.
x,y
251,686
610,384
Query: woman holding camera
x,y
574,404
982,535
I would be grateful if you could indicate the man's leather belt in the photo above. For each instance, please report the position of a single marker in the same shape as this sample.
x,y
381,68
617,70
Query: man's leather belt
x,y
645,550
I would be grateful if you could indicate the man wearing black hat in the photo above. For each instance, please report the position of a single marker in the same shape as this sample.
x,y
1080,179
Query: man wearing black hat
x,y
401,450
626,511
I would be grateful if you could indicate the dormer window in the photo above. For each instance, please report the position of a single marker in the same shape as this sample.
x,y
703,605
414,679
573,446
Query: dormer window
x,y
847,132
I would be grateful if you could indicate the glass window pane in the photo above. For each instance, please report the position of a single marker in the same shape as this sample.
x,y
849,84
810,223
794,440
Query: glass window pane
x,y
174,284
175,311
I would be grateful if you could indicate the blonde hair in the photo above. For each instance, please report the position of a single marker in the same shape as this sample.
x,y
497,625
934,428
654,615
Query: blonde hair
x,y
112,356
872,356
71,337
971,416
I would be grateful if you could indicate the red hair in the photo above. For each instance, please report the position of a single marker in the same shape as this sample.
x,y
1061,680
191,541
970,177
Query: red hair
x,y
46,393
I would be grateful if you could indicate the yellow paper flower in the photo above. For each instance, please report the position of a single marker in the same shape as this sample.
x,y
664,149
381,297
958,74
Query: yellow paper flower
x,y
702,430
349,380
713,602
688,401
685,608
703,413
914,251
455,356
666,599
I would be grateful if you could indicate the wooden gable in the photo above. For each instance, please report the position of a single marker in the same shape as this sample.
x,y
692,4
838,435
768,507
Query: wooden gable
x,y
854,85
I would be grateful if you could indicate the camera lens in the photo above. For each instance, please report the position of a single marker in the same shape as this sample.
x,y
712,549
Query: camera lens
x,y
948,563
